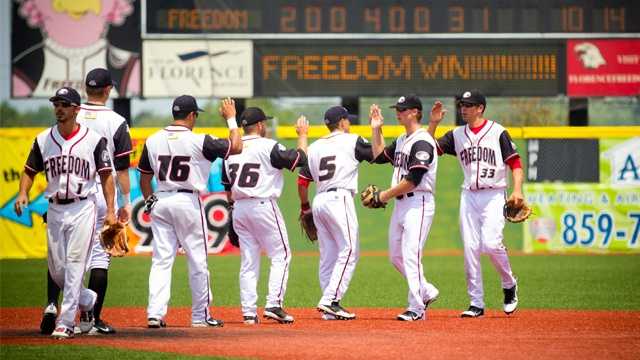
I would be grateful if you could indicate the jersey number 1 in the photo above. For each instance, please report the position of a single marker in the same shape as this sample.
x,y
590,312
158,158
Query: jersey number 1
x,y
176,166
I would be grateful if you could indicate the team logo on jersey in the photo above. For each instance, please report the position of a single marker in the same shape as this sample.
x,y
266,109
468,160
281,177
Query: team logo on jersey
x,y
104,156
466,94
422,155
281,147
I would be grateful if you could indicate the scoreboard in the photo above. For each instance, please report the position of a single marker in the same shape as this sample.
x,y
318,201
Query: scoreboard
x,y
380,48
297,18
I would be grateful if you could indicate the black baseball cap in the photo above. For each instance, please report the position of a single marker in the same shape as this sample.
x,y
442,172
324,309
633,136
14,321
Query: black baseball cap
x,y
337,113
472,97
67,94
98,78
407,102
184,104
252,115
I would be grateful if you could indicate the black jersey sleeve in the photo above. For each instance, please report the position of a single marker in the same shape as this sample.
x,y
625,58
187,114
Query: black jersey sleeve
x,y
507,146
144,165
34,164
101,156
283,158
122,147
421,155
305,173
387,154
415,175
364,151
446,144
225,178
213,149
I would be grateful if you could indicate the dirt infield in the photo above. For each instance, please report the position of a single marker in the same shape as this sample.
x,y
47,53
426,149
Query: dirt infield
x,y
374,335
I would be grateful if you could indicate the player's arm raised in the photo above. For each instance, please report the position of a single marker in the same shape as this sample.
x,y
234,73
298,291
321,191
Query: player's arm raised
x,y
435,117
376,120
302,129
228,111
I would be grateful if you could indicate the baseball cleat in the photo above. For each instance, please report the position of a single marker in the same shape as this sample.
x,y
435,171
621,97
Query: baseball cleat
x,y
510,300
62,332
327,316
156,323
210,322
48,323
278,314
431,300
250,319
337,311
410,316
472,312
101,327
86,321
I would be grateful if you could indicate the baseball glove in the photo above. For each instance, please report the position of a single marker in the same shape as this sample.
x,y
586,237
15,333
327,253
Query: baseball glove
x,y
307,224
370,197
231,233
514,213
113,238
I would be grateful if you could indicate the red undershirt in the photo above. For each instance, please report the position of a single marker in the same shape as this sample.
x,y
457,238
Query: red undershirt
x,y
514,162
73,133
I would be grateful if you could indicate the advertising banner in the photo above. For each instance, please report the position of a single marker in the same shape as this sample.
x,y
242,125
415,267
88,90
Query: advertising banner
x,y
603,67
198,67
580,217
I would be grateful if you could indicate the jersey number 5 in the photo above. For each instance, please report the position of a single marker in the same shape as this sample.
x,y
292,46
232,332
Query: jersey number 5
x,y
176,166
248,176
327,164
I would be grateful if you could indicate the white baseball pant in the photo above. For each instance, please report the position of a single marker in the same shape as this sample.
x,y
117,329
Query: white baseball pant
x,y
70,230
99,259
335,217
260,226
408,231
178,219
481,225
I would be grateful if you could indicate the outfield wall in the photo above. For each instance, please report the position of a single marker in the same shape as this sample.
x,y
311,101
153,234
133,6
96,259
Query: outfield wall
x,y
572,217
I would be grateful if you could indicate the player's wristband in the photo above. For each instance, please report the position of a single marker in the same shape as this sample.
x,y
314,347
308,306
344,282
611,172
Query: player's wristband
x,y
231,123
123,199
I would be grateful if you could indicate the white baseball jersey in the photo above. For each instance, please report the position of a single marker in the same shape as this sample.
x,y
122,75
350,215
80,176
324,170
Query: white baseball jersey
x,y
482,156
111,126
181,159
333,161
415,151
70,165
257,171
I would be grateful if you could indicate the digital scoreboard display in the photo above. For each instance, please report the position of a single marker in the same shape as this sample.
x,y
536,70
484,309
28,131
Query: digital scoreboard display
x,y
275,18
385,68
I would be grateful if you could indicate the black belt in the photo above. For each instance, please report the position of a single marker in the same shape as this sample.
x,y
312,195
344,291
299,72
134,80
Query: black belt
x,y
400,197
66,201
180,191
331,189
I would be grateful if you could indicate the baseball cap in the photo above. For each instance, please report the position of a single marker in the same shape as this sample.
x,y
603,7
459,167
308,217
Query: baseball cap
x,y
252,115
407,102
67,94
336,113
99,78
184,104
472,97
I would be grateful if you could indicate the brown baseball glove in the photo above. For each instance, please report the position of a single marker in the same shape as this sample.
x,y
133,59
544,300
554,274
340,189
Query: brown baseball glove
x,y
370,197
307,224
516,213
113,238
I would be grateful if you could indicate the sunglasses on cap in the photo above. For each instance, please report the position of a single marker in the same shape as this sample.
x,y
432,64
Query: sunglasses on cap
x,y
64,104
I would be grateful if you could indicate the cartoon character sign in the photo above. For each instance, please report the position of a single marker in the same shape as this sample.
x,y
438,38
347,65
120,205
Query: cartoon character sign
x,y
74,37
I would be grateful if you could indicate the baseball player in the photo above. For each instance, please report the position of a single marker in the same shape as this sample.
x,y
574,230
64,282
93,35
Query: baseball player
x,y
180,160
254,181
70,154
333,165
413,185
484,150
113,127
